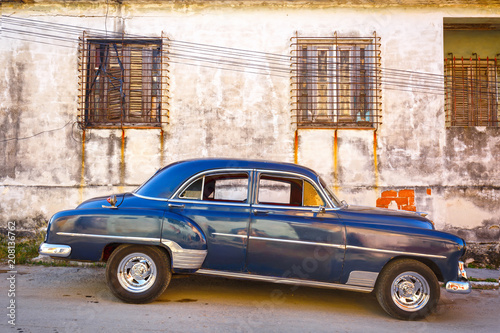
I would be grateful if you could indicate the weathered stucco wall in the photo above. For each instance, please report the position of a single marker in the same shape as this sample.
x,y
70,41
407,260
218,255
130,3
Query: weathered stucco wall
x,y
454,173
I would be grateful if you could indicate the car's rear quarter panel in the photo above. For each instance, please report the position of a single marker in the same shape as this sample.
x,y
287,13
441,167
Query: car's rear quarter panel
x,y
88,231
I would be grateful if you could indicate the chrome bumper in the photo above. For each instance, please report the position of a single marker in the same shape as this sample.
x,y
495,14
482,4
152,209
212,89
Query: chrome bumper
x,y
462,286
458,287
54,250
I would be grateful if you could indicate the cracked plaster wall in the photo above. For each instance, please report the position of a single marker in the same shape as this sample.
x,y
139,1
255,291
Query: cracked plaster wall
x,y
454,173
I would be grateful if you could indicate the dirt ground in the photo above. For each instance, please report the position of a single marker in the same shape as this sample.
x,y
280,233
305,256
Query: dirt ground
x,y
76,299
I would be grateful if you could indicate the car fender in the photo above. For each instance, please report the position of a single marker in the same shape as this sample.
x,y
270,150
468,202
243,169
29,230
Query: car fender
x,y
185,241
369,248
89,231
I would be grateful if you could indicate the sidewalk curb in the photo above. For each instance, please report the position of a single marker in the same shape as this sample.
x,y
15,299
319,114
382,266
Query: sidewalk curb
x,y
484,278
484,285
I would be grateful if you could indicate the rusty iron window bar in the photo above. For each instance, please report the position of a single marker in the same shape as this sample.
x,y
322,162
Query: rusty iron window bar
x,y
336,82
472,91
121,82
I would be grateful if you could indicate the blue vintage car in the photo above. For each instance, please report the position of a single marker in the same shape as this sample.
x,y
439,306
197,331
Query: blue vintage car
x,y
263,221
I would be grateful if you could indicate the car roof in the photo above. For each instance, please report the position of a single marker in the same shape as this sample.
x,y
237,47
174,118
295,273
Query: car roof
x,y
166,180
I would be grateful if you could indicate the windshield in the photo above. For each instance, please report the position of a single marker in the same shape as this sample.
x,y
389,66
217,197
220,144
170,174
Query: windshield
x,y
333,198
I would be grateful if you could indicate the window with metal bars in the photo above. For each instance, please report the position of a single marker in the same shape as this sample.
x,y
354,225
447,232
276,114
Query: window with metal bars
x,y
472,92
121,83
335,82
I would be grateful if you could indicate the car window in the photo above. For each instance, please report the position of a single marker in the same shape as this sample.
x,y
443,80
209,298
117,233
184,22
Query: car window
x,y
193,191
333,198
289,191
311,196
229,187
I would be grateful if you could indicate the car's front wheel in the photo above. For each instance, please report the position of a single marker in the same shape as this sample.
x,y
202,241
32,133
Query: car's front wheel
x,y
138,274
407,289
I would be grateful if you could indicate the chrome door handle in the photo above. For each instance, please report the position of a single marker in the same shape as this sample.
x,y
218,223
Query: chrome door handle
x,y
260,212
175,206
319,210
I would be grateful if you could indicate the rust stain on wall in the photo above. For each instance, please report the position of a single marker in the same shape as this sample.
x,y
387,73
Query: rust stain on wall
x,y
296,147
162,148
82,174
122,163
336,163
375,162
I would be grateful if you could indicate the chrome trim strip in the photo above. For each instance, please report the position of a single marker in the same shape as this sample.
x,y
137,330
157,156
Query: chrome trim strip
x,y
229,235
54,250
394,252
185,258
202,188
362,278
338,246
204,202
306,208
248,276
328,193
149,198
126,238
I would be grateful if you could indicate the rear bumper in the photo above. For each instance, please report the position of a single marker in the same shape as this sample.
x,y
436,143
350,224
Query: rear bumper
x,y
462,286
55,250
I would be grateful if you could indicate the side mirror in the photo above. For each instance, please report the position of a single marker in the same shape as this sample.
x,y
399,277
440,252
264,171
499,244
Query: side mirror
x,y
112,201
319,210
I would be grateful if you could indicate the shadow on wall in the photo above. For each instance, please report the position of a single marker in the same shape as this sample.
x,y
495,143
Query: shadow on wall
x,y
483,243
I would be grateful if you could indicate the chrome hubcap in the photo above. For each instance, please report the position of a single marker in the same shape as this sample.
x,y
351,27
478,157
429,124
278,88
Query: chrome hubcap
x,y
410,291
136,272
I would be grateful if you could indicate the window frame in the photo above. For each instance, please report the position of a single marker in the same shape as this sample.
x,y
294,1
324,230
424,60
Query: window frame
x,y
364,75
177,195
253,183
280,174
280,179
122,82
464,96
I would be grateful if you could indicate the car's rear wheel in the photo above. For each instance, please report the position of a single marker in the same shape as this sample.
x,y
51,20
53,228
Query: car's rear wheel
x,y
138,274
407,289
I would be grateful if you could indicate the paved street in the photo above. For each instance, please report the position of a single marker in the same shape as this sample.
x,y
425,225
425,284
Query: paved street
x,y
76,299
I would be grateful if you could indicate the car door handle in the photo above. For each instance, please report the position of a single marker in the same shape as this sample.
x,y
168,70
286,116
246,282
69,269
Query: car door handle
x,y
176,206
260,212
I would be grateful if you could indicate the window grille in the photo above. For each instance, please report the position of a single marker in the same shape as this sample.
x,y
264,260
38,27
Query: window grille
x,y
121,82
336,82
472,92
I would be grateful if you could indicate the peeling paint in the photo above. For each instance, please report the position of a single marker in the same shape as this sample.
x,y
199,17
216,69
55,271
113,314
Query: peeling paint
x,y
402,200
11,116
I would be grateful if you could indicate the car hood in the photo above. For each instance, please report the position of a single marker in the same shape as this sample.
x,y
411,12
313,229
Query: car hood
x,y
384,216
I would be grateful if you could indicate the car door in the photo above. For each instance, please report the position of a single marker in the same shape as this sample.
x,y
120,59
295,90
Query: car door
x,y
218,202
292,234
